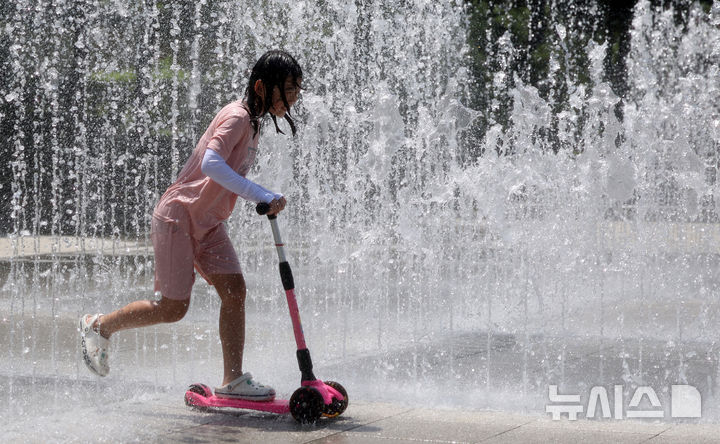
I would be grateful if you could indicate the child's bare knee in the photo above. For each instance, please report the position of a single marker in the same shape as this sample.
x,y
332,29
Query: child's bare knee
x,y
230,288
172,310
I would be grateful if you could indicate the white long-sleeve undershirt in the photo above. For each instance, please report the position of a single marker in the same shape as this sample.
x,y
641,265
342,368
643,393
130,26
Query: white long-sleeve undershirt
x,y
215,167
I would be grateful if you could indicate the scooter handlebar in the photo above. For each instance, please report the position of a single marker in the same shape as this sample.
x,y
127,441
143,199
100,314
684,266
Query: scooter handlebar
x,y
262,208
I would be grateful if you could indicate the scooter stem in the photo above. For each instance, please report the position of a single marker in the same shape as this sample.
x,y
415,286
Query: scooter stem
x,y
279,245
303,354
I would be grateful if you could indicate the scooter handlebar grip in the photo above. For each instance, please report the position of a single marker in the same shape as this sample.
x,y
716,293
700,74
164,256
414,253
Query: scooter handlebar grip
x,y
262,208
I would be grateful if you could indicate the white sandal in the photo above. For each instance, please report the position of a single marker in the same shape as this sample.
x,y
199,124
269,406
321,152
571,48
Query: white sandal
x,y
246,388
94,346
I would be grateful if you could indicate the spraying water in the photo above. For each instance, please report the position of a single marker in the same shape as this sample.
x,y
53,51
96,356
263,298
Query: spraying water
x,y
424,273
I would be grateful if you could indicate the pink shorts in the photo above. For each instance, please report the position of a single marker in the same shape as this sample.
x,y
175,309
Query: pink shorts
x,y
177,254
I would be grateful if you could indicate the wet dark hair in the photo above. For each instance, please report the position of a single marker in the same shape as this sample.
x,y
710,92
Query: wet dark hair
x,y
273,69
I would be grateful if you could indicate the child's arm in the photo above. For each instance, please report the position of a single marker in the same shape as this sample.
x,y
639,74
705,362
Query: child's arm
x,y
215,167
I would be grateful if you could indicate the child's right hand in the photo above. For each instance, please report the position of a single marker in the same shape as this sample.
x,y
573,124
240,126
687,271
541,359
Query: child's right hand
x,y
276,206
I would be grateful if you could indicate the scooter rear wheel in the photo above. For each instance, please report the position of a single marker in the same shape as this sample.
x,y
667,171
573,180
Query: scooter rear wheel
x,y
336,407
306,405
200,389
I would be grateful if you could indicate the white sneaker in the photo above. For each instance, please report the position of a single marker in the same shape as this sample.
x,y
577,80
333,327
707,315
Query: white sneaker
x,y
246,388
93,346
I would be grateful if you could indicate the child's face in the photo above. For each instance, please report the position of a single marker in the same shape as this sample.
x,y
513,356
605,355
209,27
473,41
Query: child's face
x,y
292,91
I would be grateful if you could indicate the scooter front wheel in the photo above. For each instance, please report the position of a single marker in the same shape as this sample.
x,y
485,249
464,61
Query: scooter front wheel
x,y
306,405
336,407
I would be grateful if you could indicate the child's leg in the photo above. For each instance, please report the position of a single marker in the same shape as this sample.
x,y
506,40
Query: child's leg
x,y
231,288
142,314
174,277
217,261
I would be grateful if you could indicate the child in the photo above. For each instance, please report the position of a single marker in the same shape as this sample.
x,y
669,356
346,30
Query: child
x,y
187,227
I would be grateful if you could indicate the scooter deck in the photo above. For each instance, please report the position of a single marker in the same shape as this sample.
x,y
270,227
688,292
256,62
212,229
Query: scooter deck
x,y
280,406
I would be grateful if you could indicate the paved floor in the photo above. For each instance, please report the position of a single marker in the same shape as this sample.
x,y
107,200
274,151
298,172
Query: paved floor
x,y
384,423
69,405
47,396
163,418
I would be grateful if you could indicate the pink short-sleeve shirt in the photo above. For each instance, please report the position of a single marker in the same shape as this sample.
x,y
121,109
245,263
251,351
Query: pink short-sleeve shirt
x,y
208,203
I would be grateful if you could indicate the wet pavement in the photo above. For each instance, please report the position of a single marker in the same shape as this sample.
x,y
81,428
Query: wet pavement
x,y
59,401
162,418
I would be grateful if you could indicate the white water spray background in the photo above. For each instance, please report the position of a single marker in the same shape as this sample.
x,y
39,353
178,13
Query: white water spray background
x,y
398,239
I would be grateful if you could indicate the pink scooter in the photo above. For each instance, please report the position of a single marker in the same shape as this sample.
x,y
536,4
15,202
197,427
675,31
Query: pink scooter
x,y
314,398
